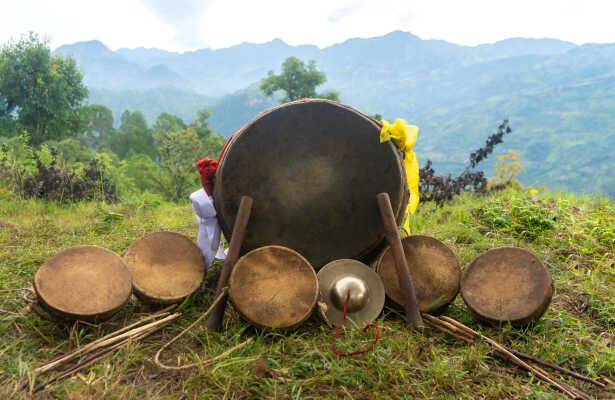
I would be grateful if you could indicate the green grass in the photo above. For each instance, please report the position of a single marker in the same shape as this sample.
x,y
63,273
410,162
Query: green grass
x,y
574,236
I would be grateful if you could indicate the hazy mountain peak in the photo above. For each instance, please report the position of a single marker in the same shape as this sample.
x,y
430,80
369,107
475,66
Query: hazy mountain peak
x,y
94,48
526,46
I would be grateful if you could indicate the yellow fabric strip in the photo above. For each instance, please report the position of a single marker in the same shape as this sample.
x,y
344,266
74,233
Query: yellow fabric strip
x,y
405,136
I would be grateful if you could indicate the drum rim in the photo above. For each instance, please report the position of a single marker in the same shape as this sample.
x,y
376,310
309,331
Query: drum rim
x,y
69,315
369,251
524,319
140,292
240,308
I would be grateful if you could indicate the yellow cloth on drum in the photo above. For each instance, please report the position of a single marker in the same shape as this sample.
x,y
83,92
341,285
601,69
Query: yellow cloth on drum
x,y
405,136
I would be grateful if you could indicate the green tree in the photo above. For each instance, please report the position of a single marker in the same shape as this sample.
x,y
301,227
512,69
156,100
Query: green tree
x,y
100,123
134,137
297,81
201,123
179,150
211,144
40,93
168,123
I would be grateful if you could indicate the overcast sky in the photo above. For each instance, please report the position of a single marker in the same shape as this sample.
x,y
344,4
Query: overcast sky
x,y
180,25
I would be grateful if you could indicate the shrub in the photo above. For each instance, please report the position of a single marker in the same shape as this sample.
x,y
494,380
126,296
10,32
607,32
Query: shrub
x,y
440,188
37,174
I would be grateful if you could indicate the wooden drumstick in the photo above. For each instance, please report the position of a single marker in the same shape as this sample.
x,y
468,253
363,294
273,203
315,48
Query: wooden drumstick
x,y
413,315
214,321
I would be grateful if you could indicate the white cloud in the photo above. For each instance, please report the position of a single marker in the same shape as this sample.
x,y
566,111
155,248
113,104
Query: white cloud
x,y
190,24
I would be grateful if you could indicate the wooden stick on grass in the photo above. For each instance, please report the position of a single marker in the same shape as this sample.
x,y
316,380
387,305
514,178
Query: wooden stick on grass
x,y
105,341
102,347
571,391
221,297
99,355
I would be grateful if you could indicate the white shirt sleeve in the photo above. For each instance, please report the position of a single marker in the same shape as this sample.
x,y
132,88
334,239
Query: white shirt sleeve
x,y
209,229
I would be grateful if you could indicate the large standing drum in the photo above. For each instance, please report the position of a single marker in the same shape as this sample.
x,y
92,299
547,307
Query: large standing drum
x,y
313,168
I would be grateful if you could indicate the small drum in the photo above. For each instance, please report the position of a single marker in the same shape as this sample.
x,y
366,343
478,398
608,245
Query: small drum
x,y
352,283
88,283
313,168
436,275
166,267
507,284
273,287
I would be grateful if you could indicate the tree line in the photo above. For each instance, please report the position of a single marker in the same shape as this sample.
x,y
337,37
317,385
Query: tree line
x,y
45,123
53,145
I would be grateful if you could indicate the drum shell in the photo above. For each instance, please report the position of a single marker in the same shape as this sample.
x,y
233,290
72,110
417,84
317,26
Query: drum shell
x,y
534,303
88,283
274,287
436,276
315,221
166,267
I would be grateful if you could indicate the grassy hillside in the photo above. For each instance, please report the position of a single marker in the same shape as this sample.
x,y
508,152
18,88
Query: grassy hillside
x,y
573,236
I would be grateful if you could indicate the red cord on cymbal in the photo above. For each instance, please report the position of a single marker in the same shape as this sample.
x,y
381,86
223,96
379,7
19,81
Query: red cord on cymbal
x,y
337,329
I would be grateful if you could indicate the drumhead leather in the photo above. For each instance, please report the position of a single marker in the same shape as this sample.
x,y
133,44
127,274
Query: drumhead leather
x,y
273,287
83,282
313,168
166,267
507,284
435,275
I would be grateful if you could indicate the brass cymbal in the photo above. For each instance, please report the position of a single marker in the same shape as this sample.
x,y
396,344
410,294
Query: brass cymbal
x,y
366,300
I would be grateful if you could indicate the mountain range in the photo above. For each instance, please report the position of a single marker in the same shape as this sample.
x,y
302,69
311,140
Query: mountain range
x,y
558,96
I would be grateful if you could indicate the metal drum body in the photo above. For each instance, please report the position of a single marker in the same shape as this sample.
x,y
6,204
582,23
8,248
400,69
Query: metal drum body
x,y
313,168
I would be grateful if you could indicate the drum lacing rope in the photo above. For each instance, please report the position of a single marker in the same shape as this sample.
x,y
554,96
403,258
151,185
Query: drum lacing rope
x,y
337,330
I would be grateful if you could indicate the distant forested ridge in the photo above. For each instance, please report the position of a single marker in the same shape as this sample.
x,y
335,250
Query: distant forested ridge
x,y
559,97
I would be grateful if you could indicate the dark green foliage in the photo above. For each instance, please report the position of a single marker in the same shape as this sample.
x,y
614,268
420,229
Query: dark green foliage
x,y
39,93
296,81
